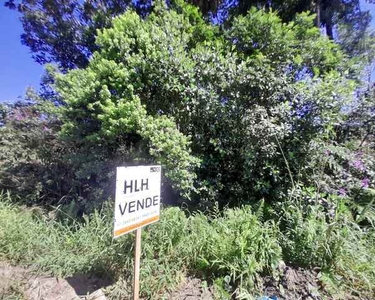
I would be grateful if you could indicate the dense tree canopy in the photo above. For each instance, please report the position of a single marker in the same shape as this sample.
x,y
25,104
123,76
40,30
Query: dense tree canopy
x,y
328,12
244,97
64,32
234,113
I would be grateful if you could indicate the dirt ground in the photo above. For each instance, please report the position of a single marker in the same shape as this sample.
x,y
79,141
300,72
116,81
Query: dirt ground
x,y
294,283
192,289
18,283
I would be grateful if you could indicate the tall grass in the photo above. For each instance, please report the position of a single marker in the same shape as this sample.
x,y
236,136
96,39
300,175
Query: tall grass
x,y
230,248
337,244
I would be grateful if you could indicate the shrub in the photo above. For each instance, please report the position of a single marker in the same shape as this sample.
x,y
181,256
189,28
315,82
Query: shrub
x,y
310,237
33,160
236,245
231,248
216,106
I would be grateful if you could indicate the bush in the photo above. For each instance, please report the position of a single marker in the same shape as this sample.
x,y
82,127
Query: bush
x,y
235,244
40,167
230,112
233,249
256,109
33,159
216,106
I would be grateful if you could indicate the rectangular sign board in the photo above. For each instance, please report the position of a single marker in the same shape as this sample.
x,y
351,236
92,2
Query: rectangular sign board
x,y
137,202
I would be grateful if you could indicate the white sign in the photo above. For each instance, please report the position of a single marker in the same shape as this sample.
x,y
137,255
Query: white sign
x,y
137,201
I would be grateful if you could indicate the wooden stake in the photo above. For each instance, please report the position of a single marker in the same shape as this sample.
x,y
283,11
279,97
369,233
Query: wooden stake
x,y
137,259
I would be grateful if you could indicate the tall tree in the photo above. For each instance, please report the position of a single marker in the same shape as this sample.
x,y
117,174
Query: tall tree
x,y
63,31
329,12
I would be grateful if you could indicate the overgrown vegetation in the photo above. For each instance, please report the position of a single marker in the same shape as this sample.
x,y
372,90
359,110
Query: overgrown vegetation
x,y
264,128
231,249
232,244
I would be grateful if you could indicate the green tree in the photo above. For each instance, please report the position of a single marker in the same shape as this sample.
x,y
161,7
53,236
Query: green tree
x,y
237,94
64,31
328,13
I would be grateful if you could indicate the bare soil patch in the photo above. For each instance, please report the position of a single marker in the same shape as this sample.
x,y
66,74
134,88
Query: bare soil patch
x,y
301,284
294,283
20,283
191,289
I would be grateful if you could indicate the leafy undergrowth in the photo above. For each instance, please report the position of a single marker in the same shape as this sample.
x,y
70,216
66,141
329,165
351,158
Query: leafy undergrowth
x,y
232,249
229,245
343,250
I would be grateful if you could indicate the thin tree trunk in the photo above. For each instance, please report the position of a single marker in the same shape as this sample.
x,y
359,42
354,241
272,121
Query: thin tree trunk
x,y
318,8
329,29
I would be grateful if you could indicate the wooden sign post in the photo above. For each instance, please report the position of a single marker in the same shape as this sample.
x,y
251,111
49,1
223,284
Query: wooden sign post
x,y
137,204
137,263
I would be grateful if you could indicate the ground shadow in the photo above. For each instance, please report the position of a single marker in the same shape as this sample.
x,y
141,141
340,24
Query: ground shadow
x,y
86,284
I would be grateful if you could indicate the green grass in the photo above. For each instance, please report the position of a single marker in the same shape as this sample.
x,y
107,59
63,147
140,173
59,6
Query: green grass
x,y
228,249
234,245
12,292
344,250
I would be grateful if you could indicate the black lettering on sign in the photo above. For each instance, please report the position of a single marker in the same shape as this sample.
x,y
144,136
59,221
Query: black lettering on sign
x,y
136,189
144,185
131,206
156,201
122,211
136,205
128,186
140,204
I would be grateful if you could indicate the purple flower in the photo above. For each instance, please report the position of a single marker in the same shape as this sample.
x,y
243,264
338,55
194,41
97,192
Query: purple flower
x,y
327,152
342,192
358,164
19,117
365,183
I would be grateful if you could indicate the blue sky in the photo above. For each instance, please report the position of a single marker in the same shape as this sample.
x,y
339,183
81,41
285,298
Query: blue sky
x,y
18,70
371,7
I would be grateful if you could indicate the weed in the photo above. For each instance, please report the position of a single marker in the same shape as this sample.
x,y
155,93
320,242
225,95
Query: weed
x,y
343,250
12,292
234,246
231,249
